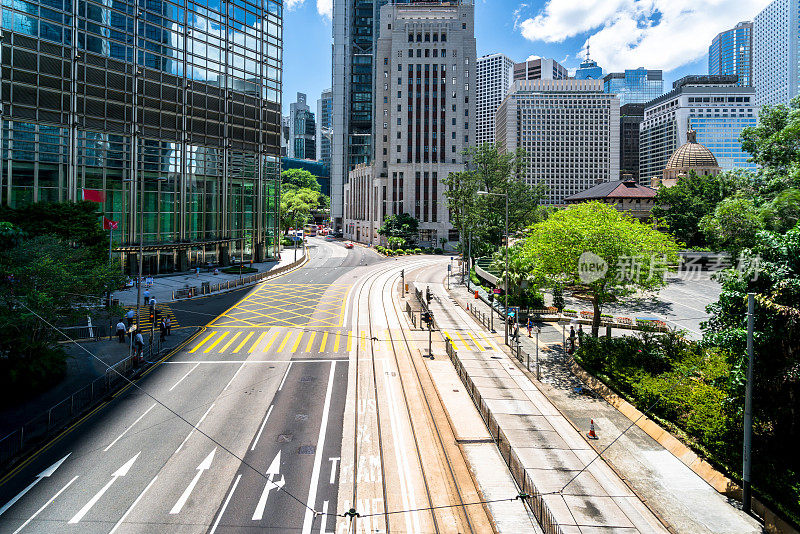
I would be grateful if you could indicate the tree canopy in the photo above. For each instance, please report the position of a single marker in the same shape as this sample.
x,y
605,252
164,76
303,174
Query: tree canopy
x,y
299,179
300,197
402,226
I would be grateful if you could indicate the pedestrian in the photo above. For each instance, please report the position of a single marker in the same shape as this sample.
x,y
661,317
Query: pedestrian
x,y
197,272
139,345
168,325
129,317
146,296
571,339
153,303
121,330
163,329
580,334
530,326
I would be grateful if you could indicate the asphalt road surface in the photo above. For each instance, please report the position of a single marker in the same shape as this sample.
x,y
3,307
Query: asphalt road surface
x,y
238,431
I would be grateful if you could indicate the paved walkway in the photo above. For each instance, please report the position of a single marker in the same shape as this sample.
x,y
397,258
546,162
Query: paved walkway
x,y
671,490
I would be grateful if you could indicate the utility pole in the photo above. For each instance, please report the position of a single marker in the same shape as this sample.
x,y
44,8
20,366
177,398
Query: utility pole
x,y
506,273
748,409
402,283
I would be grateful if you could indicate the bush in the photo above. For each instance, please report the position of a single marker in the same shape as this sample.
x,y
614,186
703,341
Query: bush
x,y
438,250
239,270
417,250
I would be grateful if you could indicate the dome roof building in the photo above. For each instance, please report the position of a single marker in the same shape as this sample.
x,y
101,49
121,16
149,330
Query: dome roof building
x,y
689,157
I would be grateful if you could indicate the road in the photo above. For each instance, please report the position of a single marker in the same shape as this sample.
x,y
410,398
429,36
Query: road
x,y
294,404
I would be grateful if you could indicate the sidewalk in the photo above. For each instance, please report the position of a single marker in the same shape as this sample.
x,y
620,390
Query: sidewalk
x,y
671,490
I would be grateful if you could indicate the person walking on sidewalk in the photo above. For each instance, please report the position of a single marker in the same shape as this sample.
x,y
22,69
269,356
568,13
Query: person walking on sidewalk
x,y
571,339
163,330
530,326
146,297
168,325
138,345
121,330
129,317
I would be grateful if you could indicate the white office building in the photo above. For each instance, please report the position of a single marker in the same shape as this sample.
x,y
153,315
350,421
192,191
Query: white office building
x,y
717,109
540,68
494,75
776,38
424,118
569,130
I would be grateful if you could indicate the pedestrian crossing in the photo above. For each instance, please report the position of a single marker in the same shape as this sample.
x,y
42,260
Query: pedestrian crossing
x,y
162,310
468,341
282,340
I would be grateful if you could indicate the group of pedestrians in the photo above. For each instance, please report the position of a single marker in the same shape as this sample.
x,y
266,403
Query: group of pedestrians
x,y
125,327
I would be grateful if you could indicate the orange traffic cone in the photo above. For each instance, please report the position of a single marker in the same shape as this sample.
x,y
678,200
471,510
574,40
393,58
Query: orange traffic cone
x,y
591,433
476,293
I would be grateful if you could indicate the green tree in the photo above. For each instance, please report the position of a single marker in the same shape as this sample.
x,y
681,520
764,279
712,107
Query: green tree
x,y
733,224
561,249
402,226
782,212
297,205
299,179
775,141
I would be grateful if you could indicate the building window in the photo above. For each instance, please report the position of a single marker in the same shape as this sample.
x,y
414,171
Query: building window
x,y
385,125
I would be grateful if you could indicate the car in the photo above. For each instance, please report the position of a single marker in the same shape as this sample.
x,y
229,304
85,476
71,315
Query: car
x,y
329,237
348,245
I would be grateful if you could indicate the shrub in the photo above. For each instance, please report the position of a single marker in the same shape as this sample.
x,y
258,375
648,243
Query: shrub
x,y
417,250
438,250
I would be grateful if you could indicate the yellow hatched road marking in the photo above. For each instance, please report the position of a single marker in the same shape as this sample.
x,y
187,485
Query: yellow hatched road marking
x,y
311,341
480,347
463,342
489,341
324,340
216,342
336,342
446,335
271,341
209,336
297,341
285,340
228,344
257,341
240,345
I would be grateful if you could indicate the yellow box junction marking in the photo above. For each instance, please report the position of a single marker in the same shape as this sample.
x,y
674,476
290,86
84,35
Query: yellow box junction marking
x,y
324,341
228,344
216,342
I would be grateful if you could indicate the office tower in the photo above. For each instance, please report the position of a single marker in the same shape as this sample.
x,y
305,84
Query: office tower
x,y
540,69
569,129
731,52
285,136
589,69
776,39
184,141
324,127
634,86
424,119
630,117
302,130
493,78
714,106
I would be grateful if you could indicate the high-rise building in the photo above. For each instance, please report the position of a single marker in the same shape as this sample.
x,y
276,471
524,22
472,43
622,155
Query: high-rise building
x,y
731,52
324,127
302,130
776,39
714,106
172,112
634,86
493,78
589,70
540,69
569,130
424,94
630,117
285,136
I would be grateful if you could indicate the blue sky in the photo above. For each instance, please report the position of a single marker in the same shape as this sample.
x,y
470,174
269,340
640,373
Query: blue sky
x,y
672,35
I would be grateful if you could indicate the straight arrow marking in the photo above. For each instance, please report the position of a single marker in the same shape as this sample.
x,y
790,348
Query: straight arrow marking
x,y
44,474
121,472
272,473
204,465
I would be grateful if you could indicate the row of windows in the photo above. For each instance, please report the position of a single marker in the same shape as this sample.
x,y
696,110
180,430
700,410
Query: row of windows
x,y
427,37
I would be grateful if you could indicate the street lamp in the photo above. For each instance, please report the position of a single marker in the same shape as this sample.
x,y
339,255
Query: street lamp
x,y
507,243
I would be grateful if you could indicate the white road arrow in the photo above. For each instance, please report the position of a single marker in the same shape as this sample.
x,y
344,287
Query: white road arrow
x,y
121,472
272,474
44,474
204,466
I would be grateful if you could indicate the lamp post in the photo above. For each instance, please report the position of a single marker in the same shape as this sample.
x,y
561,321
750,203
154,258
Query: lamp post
x,y
505,278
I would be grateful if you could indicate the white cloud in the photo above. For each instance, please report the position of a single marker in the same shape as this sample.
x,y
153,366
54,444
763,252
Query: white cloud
x,y
657,34
291,4
532,57
325,8
518,14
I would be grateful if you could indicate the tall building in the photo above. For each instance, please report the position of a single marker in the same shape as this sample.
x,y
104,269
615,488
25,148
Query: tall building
x,y
285,136
302,130
569,130
493,78
630,117
540,69
776,39
634,86
324,126
183,140
424,94
589,69
731,52
714,106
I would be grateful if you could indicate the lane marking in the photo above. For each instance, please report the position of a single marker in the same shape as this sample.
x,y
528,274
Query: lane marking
x,y
311,341
313,486
45,505
44,474
480,347
336,342
297,341
184,376
240,345
363,340
225,504
349,341
234,376
271,341
205,465
294,360
272,473
215,343
260,430
129,510
285,375
463,342
228,344
209,336
285,340
254,345
324,341
334,461
121,472
192,430
131,425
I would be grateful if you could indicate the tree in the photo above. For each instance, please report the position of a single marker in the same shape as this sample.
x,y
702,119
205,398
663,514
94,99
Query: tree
x,y
775,141
733,224
402,226
592,245
297,205
782,212
299,179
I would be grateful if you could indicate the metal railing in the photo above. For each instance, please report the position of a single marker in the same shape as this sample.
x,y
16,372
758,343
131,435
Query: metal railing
x,y
69,409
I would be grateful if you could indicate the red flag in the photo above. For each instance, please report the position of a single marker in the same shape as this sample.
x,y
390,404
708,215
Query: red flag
x,y
108,224
93,195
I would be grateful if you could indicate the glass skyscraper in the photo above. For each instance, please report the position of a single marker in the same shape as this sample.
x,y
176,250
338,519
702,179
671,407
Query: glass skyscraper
x,y
171,109
589,70
634,86
731,52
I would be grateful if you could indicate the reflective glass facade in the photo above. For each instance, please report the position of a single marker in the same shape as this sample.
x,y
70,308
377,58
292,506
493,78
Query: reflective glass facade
x,y
634,86
171,109
731,52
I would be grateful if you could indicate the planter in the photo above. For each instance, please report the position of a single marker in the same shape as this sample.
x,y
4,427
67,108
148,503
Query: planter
x,y
587,315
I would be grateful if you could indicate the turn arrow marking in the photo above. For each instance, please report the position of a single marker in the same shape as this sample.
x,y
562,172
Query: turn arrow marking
x,y
272,473
204,466
121,472
44,474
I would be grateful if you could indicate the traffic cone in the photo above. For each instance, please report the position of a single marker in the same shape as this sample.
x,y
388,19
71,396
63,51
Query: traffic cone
x,y
476,293
591,434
